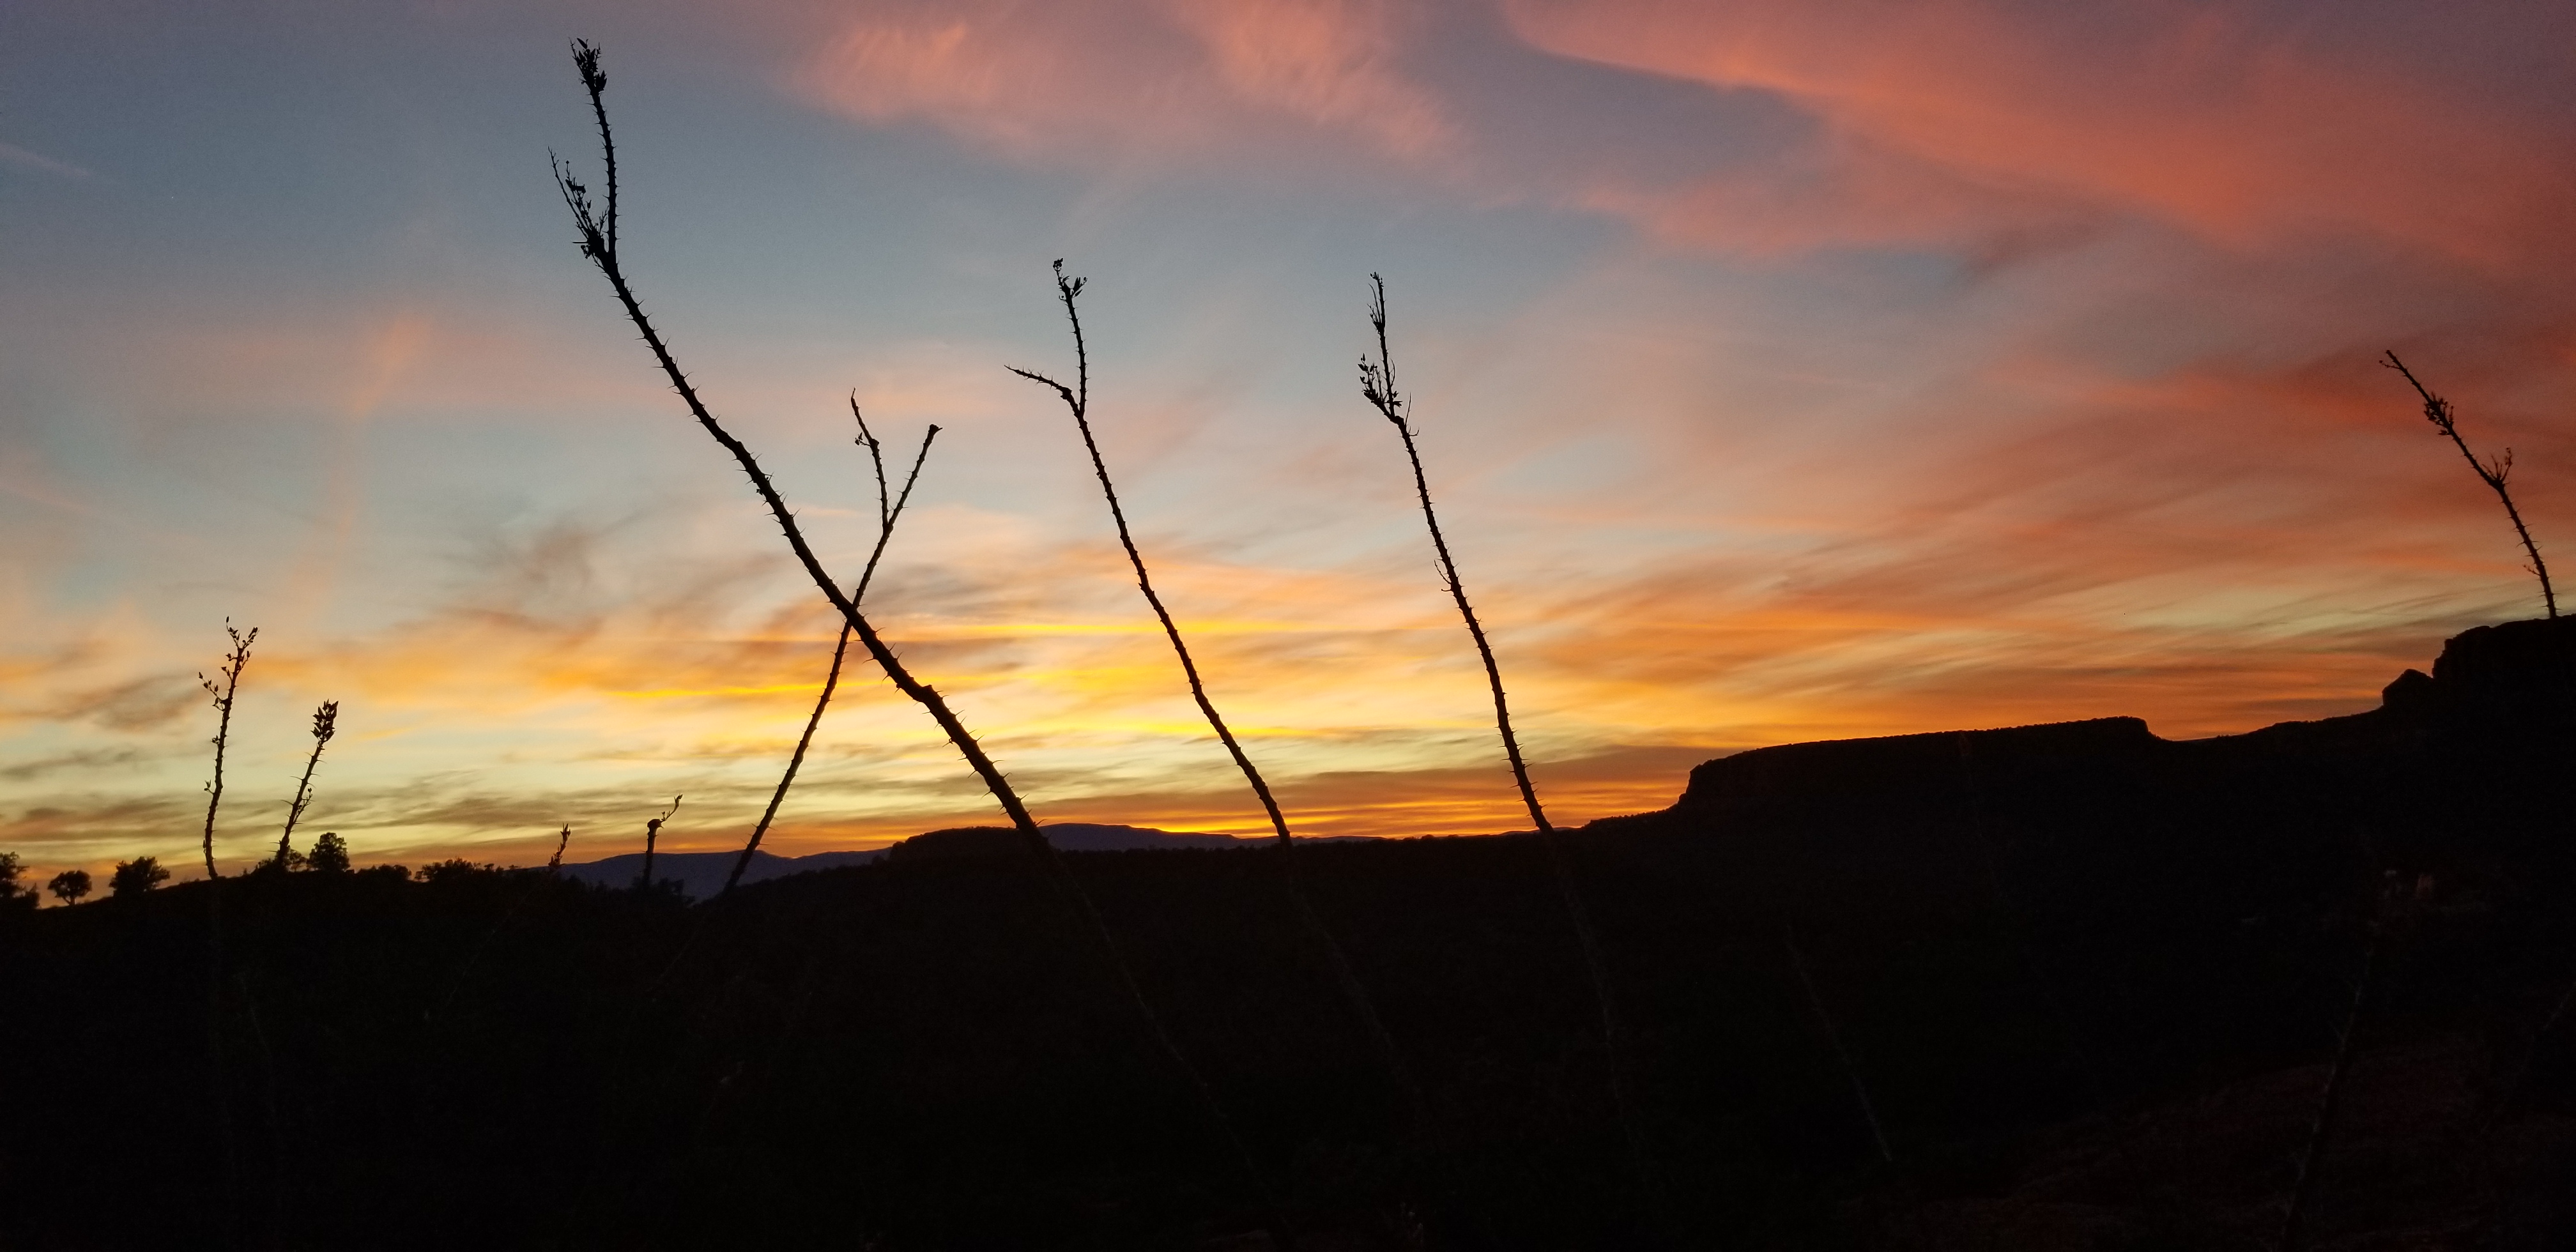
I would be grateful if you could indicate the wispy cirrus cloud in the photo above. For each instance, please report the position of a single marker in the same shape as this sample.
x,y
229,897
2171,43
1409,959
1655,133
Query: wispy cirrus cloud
x,y
12,154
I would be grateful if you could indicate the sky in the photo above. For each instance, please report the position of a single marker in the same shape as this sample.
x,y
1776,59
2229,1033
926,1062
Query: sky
x,y
1783,371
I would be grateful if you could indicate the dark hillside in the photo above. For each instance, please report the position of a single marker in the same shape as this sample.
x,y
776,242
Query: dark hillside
x,y
701,875
2085,980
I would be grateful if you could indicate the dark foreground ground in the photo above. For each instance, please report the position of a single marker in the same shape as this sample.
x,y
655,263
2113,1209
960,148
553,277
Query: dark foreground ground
x,y
2084,986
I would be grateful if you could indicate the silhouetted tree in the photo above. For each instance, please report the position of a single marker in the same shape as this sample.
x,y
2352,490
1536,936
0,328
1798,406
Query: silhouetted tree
x,y
330,854
70,885
2491,472
133,878
13,895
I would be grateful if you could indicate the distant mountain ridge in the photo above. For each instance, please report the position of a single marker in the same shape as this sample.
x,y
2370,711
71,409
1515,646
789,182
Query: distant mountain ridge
x,y
701,875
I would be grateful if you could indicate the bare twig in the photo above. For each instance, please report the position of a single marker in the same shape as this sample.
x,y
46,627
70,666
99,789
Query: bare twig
x,y
562,841
888,509
653,832
325,724
234,661
2492,472
2386,917
598,243
1834,1039
1077,400
1377,386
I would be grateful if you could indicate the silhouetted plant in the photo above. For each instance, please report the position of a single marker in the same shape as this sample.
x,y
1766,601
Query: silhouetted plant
x,y
133,878
12,895
223,699
1077,401
652,833
1377,386
218,1063
70,886
2492,472
330,854
562,841
2387,918
888,509
597,225
453,869
325,724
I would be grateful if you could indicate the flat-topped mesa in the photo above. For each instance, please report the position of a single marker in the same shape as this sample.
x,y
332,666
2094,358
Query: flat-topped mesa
x,y
2496,694
1897,764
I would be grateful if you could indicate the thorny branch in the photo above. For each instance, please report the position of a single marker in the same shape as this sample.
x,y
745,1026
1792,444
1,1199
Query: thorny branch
x,y
888,509
326,720
234,661
1377,386
1077,400
598,243
653,833
2491,472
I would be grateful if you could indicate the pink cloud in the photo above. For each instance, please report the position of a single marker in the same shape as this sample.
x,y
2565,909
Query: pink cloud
x,y
1075,80
1327,61
2202,116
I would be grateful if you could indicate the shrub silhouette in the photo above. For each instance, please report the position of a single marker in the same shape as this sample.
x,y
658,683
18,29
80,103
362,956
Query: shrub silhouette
x,y
453,869
133,878
70,885
330,854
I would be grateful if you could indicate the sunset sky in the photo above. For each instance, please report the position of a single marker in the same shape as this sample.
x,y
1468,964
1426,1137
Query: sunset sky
x,y
1784,370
